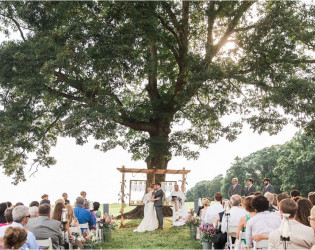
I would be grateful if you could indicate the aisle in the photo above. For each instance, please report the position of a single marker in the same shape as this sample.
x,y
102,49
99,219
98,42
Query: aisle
x,y
169,238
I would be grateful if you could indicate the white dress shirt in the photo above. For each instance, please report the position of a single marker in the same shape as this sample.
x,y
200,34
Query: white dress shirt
x,y
261,224
236,213
212,212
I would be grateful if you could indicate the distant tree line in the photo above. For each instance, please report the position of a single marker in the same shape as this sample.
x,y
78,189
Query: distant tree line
x,y
289,166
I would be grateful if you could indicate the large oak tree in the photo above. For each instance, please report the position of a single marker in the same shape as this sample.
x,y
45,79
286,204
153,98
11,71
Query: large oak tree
x,y
151,77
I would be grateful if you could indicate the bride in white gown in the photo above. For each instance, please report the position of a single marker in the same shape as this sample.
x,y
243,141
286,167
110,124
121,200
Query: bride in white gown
x,y
149,222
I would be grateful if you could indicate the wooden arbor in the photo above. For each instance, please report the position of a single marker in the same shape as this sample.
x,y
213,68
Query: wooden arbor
x,y
125,170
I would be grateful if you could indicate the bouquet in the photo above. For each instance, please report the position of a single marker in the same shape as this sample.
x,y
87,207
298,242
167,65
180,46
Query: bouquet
x,y
193,221
108,222
207,232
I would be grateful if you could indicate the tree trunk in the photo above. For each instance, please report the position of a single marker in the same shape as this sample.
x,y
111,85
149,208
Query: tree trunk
x,y
158,158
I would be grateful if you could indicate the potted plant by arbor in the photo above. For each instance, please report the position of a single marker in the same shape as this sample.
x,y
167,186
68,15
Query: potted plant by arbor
x,y
107,224
207,235
193,222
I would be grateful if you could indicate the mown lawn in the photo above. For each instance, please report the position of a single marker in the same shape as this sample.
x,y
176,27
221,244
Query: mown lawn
x,y
114,208
170,238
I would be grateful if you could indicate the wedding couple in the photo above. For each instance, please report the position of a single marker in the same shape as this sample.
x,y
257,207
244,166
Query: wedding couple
x,y
153,210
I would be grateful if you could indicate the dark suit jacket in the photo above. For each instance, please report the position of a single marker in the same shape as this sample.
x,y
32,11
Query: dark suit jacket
x,y
269,189
43,228
159,193
252,189
236,190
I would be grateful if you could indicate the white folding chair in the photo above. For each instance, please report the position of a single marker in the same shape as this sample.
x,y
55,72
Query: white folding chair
x,y
232,233
242,236
84,226
261,244
46,243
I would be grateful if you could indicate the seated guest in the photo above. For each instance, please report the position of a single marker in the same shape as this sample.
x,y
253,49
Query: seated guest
x,y
205,204
301,237
33,212
3,207
45,201
247,205
21,217
200,206
65,197
295,193
97,212
9,204
303,211
312,219
275,203
311,197
257,193
60,201
297,198
281,197
214,209
270,197
83,215
8,215
264,222
43,227
19,204
14,237
34,204
236,213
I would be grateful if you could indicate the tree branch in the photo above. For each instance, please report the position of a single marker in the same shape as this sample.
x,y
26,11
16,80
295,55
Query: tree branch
x,y
209,43
169,28
151,87
16,23
64,95
231,26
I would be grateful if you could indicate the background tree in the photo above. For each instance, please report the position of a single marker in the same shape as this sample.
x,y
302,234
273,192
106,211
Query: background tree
x,y
130,74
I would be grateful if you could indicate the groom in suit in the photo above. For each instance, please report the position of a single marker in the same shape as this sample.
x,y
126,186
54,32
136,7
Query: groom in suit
x,y
158,193
250,187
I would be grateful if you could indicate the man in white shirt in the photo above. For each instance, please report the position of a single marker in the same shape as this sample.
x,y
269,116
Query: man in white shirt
x,y
263,222
21,216
179,208
213,211
236,213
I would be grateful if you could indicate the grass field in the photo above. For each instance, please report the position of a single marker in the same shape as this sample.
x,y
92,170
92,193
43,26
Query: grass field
x,y
114,208
170,238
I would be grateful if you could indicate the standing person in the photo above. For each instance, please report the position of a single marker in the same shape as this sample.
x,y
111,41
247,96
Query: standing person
x,y
83,194
65,197
250,187
21,217
268,187
235,188
158,193
149,222
179,208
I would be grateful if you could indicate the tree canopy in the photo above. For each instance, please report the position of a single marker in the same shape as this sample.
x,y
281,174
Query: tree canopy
x,y
151,77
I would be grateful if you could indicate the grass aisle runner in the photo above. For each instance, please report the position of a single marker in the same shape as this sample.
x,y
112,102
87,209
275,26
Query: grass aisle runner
x,y
170,238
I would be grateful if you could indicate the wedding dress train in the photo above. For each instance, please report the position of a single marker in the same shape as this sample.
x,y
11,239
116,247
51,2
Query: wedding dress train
x,y
149,222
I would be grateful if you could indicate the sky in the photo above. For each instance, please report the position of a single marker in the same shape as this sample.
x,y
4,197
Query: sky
x,y
85,168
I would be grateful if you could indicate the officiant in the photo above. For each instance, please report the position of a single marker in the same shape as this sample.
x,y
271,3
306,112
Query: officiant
x,y
179,209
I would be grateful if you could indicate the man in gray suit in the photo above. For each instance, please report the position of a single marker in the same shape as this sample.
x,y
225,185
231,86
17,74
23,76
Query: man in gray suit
x,y
250,187
268,187
43,227
235,188
158,193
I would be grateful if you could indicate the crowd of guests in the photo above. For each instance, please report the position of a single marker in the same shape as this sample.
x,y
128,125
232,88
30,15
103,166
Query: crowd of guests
x,y
21,226
259,216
